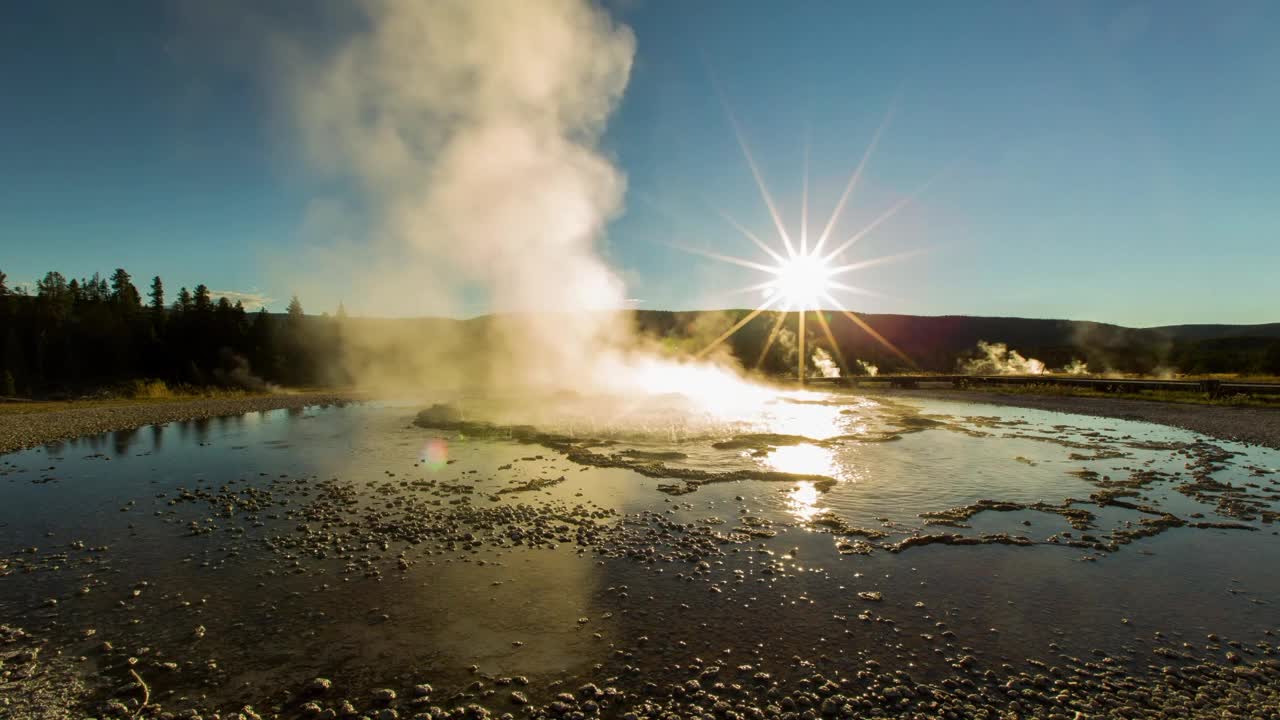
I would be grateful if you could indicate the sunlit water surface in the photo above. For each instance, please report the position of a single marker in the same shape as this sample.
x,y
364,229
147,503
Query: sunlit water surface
x,y
275,616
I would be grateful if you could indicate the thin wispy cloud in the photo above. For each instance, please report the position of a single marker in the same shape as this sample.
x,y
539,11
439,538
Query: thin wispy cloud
x,y
251,300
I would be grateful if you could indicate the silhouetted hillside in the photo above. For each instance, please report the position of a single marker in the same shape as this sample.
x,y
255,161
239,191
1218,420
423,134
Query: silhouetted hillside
x,y
939,343
1211,332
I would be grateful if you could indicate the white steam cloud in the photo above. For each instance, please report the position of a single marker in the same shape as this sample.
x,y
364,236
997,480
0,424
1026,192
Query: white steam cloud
x,y
825,364
469,130
1000,359
1076,367
471,126
867,368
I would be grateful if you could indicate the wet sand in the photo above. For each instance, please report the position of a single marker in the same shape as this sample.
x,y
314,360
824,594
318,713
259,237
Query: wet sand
x,y
1250,425
24,430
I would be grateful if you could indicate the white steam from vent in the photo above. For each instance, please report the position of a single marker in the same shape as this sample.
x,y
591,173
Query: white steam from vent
x,y
1000,359
825,364
470,128
1076,367
469,131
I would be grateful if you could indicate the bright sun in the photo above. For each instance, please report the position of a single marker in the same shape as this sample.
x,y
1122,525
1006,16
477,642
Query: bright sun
x,y
804,275
802,281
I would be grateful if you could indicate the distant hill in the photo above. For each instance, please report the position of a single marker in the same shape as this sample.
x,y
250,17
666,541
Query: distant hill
x,y
940,343
1211,332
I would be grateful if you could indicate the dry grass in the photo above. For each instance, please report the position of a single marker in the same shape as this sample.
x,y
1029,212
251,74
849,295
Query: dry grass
x,y
1169,396
1232,377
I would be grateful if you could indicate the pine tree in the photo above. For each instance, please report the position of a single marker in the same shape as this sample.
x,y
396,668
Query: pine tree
x,y
184,301
54,295
297,364
157,294
202,301
123,292
265,355
92,289
4,289
53,287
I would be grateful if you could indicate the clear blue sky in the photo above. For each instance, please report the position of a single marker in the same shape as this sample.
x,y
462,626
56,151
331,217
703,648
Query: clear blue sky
x,y
1114,161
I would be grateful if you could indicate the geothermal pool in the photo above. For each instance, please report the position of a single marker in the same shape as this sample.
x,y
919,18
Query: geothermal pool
x,y
779,550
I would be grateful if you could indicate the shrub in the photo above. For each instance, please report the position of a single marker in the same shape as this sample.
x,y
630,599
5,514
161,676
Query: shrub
x,y
149,389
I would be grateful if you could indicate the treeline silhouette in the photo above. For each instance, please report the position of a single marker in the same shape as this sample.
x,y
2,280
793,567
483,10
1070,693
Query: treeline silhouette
x,y
71,336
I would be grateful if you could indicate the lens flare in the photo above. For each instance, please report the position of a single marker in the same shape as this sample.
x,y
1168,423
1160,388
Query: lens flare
x,y
435,454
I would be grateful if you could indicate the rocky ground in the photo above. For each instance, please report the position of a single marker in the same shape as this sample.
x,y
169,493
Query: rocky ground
x,y
33,685
1174,676
1250,425
24,430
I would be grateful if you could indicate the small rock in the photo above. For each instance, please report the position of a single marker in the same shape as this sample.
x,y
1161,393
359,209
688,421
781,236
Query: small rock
x,y
384,695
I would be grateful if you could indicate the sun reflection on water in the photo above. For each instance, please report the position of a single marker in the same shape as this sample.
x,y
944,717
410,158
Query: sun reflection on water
x,y
803,460
802,501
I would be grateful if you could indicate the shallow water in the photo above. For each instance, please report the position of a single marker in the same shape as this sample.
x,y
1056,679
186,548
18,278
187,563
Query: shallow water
x,y
281,535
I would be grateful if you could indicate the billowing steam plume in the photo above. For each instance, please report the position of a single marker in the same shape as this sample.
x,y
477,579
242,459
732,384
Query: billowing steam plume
x,y
1076,367
470,130
867,368
998,359
825,364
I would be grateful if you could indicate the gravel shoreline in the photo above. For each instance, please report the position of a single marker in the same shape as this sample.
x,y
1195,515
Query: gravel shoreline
x,y
21,431
1250,425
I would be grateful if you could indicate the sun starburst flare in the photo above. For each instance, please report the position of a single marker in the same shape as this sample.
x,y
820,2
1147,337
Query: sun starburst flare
x,y
800,278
